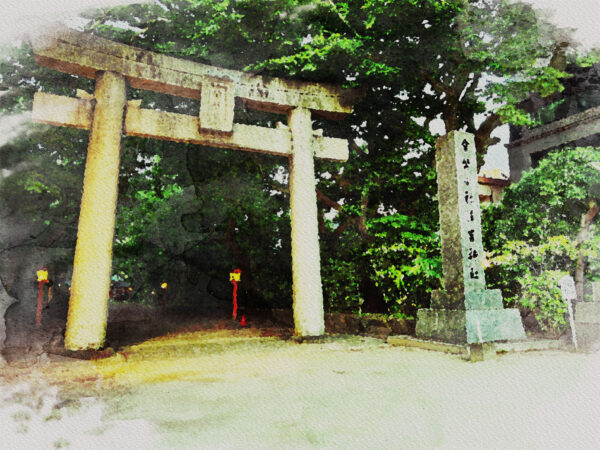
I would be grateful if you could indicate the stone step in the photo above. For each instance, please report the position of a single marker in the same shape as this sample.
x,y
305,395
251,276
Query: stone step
x,y
478,352
587,312
530,345
596,291
424,344
588,336
469,326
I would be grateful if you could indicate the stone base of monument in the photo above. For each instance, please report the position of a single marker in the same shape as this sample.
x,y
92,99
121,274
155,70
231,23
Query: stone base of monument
x,y
587,321
482,318
469,326
478,352
473,352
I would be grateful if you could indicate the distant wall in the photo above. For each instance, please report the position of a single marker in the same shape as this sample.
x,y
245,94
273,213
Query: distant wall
x,y
568,119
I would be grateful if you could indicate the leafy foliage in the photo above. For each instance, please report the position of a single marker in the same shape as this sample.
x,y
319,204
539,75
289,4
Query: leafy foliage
x,y
408,269
528,277
542,295
185,210
537,233
547,201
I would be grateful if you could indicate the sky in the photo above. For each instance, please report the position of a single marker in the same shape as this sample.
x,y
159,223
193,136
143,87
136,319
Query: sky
x,y
581,15
28,16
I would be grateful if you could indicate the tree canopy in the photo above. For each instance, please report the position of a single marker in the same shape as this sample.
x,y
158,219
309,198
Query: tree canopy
x,y
546,221
185,210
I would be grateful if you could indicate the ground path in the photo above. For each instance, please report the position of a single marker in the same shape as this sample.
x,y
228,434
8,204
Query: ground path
x,y
243,389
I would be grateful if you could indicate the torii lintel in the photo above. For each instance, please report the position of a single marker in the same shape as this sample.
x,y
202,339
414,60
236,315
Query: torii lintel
x,y
84,55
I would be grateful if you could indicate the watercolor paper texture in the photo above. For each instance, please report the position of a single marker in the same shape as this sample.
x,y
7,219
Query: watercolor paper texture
x,y
292,141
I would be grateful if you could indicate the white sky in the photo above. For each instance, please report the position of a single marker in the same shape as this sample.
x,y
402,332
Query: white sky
x,y
28,16
19,17
581,15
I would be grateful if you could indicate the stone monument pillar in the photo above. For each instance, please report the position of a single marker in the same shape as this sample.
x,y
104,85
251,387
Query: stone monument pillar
x,y
587,320
464,311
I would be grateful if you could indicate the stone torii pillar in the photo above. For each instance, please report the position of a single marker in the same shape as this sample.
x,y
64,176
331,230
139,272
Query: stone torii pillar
x,y
306,259
88,306
109,115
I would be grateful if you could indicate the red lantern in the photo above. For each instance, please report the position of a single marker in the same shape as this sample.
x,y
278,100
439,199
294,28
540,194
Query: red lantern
x,y
234,277
42,279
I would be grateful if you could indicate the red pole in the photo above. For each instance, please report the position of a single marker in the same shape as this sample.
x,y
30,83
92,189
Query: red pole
x,y
38,312
234,299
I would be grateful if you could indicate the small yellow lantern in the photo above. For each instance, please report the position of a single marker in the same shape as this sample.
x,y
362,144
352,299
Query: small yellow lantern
x,y
235,275
163,285
42,275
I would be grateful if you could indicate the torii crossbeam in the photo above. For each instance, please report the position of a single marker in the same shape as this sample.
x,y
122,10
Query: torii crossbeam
x,y
108,114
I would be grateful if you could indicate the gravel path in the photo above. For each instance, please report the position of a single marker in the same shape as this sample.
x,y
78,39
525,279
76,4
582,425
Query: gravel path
x,y
241,389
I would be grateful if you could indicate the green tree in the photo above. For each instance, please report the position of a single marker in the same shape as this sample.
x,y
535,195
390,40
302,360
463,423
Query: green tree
x,y
452,58
546,224
415,61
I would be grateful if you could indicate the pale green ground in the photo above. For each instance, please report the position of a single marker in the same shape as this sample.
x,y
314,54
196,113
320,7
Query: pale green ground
x,y
242,391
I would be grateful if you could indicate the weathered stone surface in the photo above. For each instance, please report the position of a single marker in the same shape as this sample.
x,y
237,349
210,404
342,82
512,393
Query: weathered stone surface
x,y
469,326
447,300
480,352
486,299
409,341
460,218
446,325
75,112
83,54
352,324
587,312
530,345
112,64
464,312
59,110
483,299
402,326
341,323
367,322
485,325
88,306
216,106
596,291
588,336
346,323
306,256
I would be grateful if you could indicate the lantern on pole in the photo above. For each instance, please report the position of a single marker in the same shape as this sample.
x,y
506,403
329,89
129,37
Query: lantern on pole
x,y
163,286
42,279
234,277
42,275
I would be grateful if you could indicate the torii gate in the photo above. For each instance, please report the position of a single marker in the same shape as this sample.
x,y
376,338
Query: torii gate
x,y
107,114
